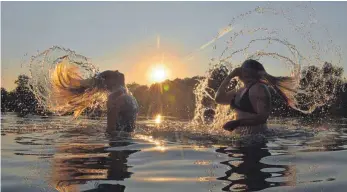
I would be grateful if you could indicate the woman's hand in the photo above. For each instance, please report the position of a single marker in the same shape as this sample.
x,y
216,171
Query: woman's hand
x,y
222,96
236,72
231,125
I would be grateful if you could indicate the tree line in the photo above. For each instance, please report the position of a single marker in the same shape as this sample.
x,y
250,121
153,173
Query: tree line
x,y
176,98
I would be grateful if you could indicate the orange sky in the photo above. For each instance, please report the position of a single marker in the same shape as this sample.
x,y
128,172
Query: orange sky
x,y
136,61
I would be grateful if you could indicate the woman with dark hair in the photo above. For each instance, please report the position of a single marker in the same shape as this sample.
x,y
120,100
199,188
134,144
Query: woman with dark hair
x,y
252,103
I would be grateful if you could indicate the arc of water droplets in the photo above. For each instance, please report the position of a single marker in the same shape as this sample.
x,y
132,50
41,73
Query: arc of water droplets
x,y
43,63
287,44
222,112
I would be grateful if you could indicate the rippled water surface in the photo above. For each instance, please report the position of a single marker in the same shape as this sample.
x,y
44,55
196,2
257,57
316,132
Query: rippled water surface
x,y
55,154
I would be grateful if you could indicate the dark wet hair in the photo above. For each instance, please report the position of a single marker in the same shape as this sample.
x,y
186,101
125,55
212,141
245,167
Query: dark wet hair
x,y
253,64
284,86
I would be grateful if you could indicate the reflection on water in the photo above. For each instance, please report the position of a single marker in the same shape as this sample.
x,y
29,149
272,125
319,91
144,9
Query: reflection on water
x,y
246,171
78,164
54,155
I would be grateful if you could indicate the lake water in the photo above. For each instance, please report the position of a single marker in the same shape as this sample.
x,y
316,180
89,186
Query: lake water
x,y
55,154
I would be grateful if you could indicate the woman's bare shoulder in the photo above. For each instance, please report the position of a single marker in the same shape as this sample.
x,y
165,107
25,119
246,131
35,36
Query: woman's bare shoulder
x,y
259,88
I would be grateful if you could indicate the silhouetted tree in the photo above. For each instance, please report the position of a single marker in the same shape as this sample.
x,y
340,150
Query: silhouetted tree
x,y
141,93
172,98
323,90
25,101
4,99
133,86
340,107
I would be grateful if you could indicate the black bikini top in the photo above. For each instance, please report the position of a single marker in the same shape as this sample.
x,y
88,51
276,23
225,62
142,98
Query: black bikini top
x,y
245,102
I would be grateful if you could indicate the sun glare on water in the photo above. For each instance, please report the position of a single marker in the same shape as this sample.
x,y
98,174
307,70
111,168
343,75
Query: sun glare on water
x,y
158,119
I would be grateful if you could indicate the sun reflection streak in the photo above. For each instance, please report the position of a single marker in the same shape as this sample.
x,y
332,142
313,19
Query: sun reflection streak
x,y
161,148
158,119
177,179
159,144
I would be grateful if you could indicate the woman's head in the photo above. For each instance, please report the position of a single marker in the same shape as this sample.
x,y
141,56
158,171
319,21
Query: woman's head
x,y
111,79
251,70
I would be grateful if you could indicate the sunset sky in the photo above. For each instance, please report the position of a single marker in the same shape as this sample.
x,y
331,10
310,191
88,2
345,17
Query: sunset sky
x,y
133,36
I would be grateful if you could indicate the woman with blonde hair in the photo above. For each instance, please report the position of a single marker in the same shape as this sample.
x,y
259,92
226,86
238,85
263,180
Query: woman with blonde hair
x,y
73,93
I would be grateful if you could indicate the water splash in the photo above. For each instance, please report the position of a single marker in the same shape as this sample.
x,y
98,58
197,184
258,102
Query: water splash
x,y
56,76
290,50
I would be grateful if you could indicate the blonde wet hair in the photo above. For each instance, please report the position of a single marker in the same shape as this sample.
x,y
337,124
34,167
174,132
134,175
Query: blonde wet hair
x,y
73,93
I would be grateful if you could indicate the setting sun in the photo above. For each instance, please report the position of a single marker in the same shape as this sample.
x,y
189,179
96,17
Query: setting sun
x,y
158,74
